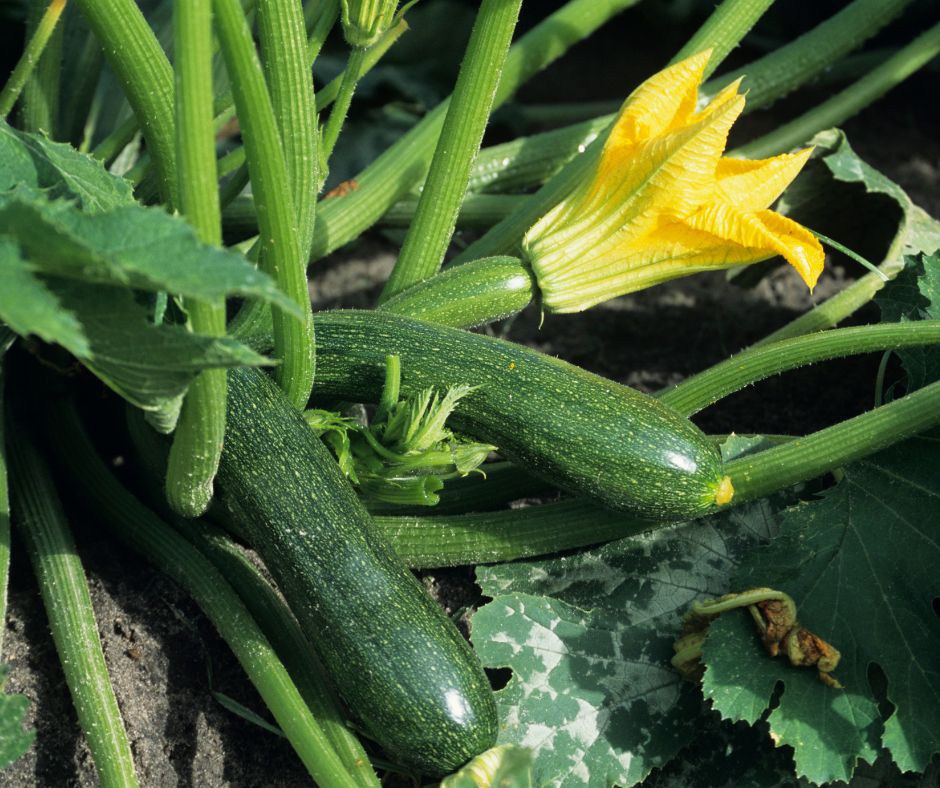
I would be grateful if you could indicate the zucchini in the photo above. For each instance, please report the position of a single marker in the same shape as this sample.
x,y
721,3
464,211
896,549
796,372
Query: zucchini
x,y
576,430
401,666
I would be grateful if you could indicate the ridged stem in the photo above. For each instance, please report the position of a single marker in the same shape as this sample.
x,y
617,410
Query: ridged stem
x,y
39,103
396,171
5,341
723,31
850,101
760,474
492,537
31,55
76,108
786,68
319,17
757,363
197,442
477,211
284,57
41,523
467,115
145,75
280,249
143,531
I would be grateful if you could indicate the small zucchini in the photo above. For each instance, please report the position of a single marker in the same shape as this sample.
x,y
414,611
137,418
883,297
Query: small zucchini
x,y
583,433
399,663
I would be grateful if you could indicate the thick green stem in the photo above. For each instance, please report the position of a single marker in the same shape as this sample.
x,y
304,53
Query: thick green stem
x,y
488,537
39,105
467,115
42,524
723,30
394,173
758,363
145,74
277,219
30,57
786,68
850,101
319,18
77,104
805,458
284,57
141,529
477,211
6,339
197,443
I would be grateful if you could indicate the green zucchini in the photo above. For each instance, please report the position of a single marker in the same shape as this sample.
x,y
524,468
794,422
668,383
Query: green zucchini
x,y
576,430
401,666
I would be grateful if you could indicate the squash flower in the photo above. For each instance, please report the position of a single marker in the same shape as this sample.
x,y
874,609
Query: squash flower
x,y
662,202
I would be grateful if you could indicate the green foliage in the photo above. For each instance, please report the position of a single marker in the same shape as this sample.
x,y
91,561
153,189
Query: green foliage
x,y
589,639
14,741
860,564
503,766
74,248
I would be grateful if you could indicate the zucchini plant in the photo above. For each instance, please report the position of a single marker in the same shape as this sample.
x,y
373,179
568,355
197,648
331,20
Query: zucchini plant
x,y
169,171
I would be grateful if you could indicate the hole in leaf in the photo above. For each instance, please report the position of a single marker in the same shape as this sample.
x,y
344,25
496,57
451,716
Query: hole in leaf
x,y
499,677
878,682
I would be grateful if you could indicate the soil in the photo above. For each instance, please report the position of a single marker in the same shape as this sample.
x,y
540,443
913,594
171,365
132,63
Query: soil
x,y
164,657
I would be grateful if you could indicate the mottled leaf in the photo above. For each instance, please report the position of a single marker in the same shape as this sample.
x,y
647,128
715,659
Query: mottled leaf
x,y
589,639
14,740
861,563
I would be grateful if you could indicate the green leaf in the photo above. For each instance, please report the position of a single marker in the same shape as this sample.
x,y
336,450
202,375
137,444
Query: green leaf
x,y
861,564
589,639
14,741
148,365
503,766
143,248
60,170
915,295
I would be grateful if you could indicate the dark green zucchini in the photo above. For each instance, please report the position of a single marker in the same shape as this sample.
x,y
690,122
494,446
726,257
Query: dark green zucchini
x,y
576,430
398,662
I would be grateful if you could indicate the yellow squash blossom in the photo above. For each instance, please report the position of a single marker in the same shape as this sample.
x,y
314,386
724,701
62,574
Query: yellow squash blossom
x,y
662,202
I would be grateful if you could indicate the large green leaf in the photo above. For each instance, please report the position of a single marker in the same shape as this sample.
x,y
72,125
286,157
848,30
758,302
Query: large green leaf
x,y
589,639
60,170
861,563
143,248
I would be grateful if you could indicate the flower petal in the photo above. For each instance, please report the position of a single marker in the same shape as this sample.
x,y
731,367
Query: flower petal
x,y
764,233
754,185
661,104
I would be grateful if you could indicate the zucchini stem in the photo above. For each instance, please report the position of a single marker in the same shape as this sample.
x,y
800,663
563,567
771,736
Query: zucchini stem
x,y
31,56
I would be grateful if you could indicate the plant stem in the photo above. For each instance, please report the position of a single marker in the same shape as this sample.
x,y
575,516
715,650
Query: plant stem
x,y
319,17
723,31
76,109
850,101
284,57
5,342
467,115
396,171
805,458
355,67
141,529
293,339
42,524
145,74
491,537
476,211
31,55
757,363
786,68
197,442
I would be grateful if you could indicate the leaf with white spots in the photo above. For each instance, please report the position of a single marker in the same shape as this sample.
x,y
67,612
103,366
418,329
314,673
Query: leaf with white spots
x,y
861,564
589,640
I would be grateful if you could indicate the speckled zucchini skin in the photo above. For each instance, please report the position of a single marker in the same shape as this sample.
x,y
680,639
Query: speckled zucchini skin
x,y
588,435
397,660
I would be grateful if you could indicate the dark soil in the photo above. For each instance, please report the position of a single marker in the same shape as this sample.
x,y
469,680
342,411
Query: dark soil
x,y
159,647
